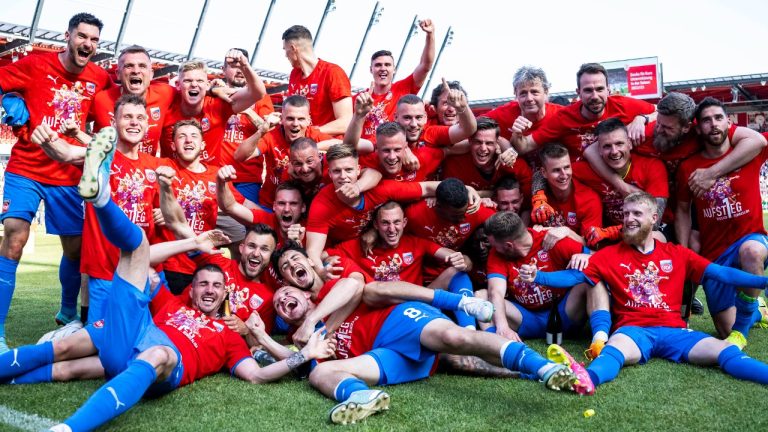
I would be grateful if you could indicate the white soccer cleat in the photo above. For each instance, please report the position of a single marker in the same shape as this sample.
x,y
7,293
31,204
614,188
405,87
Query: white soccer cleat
x,y
481,310
358,406
94,183
61,332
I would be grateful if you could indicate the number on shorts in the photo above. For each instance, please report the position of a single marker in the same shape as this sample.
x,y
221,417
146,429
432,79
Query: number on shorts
x,y
414,314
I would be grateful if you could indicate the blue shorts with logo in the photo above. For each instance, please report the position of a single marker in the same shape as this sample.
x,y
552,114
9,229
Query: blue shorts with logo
x,y
398,350
534,324
721,296
127,330
249,190
64,209
669,343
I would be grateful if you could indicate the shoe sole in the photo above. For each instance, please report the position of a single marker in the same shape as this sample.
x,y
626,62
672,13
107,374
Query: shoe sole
x,y
563,379
352,412
97,152
559,355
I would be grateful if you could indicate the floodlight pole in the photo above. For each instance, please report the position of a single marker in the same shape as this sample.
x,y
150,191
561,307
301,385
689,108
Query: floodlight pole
x,y
35,20
375,15
446,41
197,30
261,33
411,31
123,26
330,6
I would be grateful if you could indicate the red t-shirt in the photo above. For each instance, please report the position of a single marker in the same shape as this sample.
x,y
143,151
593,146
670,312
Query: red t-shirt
x,y
52,95
134,190
429,162
571,129
329,215
277,151
159,98
385,105
206,344
506,115
730,209
533,296
356,335
646,289
403,263
325,85
463,168
647,174
582,210
239,127
196,194
213,118
433,136
349,268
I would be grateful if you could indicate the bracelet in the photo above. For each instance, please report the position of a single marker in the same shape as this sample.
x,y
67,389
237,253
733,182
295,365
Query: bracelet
x,y
295,360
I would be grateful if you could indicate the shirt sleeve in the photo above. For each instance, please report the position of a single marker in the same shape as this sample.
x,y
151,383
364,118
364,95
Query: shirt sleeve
x,y
496,266
338,84
16,76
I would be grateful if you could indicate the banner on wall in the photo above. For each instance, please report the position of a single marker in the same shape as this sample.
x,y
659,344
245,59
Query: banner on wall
x,y
639,78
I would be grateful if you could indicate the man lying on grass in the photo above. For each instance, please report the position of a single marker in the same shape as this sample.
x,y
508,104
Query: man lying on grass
x,y
141,354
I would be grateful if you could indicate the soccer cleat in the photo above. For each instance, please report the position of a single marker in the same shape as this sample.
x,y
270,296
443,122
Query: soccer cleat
x,y
62,319
98,161
3,345
61,427
558,378
480,309
737,339
697,308
594,350
358,406
583,384
763,308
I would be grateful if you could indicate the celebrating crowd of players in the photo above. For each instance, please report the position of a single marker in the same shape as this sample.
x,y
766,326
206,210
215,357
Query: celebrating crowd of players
x,y
376,229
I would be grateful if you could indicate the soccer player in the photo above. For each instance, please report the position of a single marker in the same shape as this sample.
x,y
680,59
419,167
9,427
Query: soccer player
x,y
647,174
522,308
134,69
646,279
141,355
133,186
439,110
412,116
508,196
324,84
730,215
385,93
212,113
56,87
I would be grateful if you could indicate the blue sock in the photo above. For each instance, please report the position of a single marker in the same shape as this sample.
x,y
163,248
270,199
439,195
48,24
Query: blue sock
x,y
24,359
69,276
606,366
517,356
600,320
7,285
115,397
348,386
43,374
745,312
461,284
739,365
446,300
117,228
491,329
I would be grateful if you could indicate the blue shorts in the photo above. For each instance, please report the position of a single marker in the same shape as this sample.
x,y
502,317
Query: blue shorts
x,y
98,292
64,208
669,343
397,348
721,296
249,190
127,330
534,324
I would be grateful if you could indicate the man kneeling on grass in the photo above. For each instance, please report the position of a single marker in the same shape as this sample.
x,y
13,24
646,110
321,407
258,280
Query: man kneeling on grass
x,y
393,344
140,355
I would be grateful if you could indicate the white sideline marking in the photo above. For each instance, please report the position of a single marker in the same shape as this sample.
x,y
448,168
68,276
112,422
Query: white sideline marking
x,y
24,421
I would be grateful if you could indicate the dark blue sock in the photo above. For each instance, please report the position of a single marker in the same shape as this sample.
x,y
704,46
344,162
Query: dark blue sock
x,y
461,284
600,320
69,276
446,300
115,397
739,365
117,228
43,374
517,356
745,312
7,285
24,359
348,386
606,366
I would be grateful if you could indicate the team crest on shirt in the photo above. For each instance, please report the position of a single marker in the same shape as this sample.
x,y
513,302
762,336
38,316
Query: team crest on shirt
x,y
151,176
205,123
666,266
90,87
408,258
218,326
543,255
464,228
255,302
99,324
313,89
571,218
212,187
154,112
6,204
